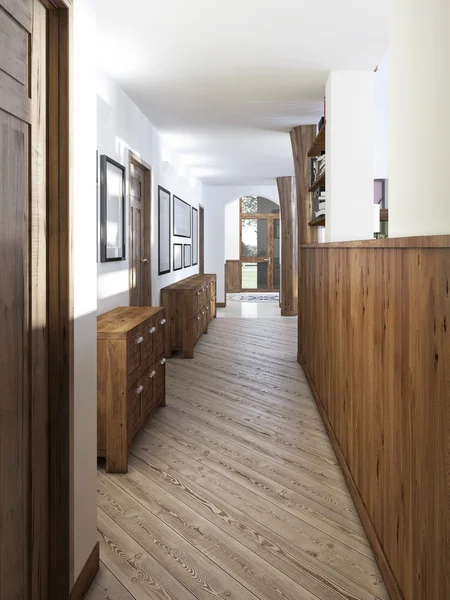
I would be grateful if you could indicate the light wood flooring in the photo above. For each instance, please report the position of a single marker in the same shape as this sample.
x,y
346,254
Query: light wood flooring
x,y
233,490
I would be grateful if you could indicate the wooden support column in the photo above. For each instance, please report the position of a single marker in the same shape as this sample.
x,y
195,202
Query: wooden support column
x,y
289,246
302,138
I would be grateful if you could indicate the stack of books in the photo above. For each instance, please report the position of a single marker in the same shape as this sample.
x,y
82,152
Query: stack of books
x,y
319,202
321,162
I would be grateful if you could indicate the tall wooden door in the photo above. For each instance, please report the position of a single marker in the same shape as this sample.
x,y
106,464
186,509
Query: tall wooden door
x,y
140,228
24,445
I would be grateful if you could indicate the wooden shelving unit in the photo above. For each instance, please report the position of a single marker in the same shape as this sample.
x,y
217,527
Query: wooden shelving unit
x,y
318,222
318,145
318,183
316,149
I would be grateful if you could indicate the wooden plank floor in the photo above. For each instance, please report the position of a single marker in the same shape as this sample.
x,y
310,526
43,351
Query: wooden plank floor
x,y
233,490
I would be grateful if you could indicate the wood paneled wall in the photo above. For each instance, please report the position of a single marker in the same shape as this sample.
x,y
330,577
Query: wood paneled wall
x,y
233,280
374,339
289,246
302,138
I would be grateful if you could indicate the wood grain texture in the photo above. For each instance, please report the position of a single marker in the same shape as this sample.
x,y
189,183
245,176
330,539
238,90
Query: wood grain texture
x,y
60,299
233,491
130,378
233,276
190,306
24,444
289,246
374,341
302,139
140,226
87,575
38,336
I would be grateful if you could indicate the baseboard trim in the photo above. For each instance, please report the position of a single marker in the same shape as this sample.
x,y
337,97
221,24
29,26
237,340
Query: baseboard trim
x,y
87,575
221,304
289,313
383,563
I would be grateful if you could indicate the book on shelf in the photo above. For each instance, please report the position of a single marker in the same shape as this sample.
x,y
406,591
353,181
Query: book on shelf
x,y
319,213
313,171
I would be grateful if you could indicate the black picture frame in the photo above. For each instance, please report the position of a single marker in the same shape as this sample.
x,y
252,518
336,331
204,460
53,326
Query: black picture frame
x,y
177,257
187,255
182,225
164,235
108,251
194,237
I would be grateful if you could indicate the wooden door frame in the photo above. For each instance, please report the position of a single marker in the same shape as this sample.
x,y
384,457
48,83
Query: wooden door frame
x,y
270,221
60,298
134,159
201,239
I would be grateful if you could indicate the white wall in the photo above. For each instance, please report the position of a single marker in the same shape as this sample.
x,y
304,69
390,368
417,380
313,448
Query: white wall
x,y
350,152
84,129
123,127
217,197
419,117
381,135
232,226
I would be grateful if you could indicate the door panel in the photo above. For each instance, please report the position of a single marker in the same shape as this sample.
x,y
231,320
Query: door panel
x,y
140,233
137,236
23,294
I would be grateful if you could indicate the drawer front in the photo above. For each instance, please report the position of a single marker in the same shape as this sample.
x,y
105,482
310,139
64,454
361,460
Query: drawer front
x,y
158,342
213,289
160,375
133,430
148,346
213,308
201,295
208,311
134,351
134,402
148,395
148,411
197,326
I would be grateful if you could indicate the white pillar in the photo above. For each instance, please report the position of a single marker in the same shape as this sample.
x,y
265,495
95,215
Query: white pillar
x,y
349,150
419,117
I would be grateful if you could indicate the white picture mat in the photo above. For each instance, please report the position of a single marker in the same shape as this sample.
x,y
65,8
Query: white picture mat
x,y
114,211
164,231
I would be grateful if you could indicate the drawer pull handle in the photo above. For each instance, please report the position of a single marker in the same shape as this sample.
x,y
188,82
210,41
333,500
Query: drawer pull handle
x,y
198,318
151,374
152,330
139,389
198,293
162,361
163,321
139,340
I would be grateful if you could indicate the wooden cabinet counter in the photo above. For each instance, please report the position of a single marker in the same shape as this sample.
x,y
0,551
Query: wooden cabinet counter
x,y
190,306
131,374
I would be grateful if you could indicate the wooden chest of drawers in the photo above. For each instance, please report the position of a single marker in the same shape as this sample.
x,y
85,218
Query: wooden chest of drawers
x,y
190,306
131,375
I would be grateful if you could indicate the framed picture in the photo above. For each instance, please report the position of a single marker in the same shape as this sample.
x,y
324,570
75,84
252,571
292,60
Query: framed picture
x,y
187,255
163,231
112,210
177,257
181,218
194,237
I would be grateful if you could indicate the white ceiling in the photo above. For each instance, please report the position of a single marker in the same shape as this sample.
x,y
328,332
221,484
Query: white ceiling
x,y
226,80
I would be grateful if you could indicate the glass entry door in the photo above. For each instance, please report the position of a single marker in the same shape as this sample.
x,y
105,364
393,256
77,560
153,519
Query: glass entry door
x,y
260,253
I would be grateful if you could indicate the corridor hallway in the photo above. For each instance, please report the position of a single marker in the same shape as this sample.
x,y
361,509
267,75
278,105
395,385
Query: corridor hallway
x,y
233,490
